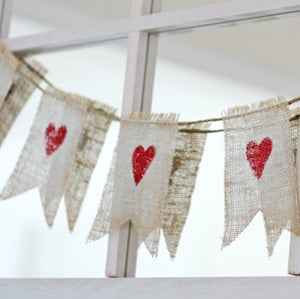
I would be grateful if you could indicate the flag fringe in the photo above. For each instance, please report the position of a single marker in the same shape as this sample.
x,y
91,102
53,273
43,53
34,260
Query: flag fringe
x,y
90,104
243,110
101,107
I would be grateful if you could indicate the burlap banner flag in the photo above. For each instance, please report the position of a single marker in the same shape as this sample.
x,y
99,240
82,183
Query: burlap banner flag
x,y
260,173
189,149
95,127
139,177
17,83
8,66
61,150
146,196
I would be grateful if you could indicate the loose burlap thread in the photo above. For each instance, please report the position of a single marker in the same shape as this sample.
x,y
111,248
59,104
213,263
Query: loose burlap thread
x,y
122,199
275,192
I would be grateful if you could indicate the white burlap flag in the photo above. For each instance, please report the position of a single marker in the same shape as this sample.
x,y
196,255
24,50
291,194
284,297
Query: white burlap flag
x,y
260,171
50,156
8,66
138,180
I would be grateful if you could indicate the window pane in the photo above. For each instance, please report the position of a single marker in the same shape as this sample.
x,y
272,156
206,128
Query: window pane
x,y
45,15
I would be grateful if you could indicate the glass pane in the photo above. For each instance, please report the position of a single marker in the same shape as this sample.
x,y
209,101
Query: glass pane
x,y
29,248
45,15
200,74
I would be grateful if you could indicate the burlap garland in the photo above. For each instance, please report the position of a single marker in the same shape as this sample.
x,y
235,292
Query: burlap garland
x,y
175,205
249,186
260,171
50,156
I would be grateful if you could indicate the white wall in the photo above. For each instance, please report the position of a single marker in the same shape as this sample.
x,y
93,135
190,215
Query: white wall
x,y
30,249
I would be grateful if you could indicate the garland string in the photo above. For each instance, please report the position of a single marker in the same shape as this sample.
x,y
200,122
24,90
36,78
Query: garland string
x,y
116,118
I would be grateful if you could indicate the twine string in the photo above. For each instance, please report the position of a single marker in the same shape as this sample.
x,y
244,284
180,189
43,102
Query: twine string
x,y
184,123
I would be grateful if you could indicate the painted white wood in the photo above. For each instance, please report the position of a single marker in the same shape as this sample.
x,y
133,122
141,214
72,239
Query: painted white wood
x,y
149,288
294,256
5,17
118,261
150,63
213,15
139,77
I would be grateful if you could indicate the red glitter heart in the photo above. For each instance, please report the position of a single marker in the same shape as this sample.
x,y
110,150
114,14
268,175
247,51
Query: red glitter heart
x,y
258,154
141,159
54,138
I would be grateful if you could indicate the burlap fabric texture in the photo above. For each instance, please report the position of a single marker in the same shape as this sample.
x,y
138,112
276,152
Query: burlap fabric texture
x,y
190,145
171,211
8,66
138,180
17,84
97,122
260,170
61,152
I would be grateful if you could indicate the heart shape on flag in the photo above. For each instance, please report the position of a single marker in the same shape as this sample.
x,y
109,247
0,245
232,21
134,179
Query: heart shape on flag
x,y
258,155
141,159
54,138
